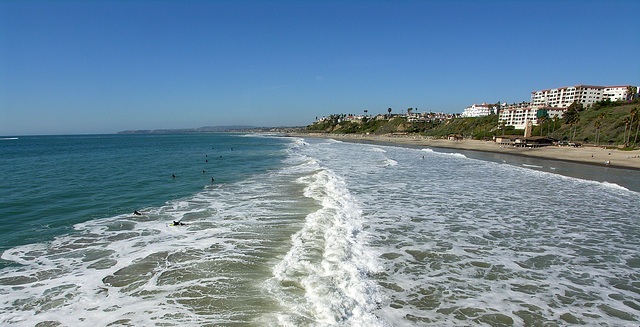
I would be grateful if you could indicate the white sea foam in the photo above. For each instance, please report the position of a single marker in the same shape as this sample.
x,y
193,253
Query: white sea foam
x,y
461,245
451,154
531,166
615,186
323,277
137,270
376,149
334,238
389,162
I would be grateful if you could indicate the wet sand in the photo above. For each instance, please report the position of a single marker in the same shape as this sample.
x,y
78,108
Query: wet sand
x,y
586,154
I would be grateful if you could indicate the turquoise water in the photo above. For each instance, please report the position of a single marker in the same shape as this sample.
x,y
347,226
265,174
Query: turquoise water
x,y
310,232
51,183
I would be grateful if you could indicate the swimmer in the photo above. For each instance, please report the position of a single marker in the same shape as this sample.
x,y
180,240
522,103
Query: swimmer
x,y
135,212
173,175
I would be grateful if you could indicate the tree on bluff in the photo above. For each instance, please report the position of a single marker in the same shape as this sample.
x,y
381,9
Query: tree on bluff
x,y
572,117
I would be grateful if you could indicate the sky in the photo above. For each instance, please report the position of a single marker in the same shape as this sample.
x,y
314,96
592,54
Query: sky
x,y
85,67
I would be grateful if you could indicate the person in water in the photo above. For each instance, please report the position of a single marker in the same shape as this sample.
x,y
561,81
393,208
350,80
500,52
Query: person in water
x,y
135,212
178,223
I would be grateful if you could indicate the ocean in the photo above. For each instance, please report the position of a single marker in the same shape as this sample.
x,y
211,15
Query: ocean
x,y
287,231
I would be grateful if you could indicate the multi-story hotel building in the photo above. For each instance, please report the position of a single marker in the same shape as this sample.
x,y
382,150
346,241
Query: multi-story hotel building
x,y
587,95
518,117
479,110
522,104
617,93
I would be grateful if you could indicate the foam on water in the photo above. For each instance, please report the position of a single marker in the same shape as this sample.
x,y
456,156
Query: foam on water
x,y
468,242
532,166
616,186
389,162
452,154
137,270
377,149
332,237
323,278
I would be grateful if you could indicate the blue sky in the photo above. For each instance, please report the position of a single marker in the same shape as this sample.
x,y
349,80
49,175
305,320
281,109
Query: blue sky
x,y
69,67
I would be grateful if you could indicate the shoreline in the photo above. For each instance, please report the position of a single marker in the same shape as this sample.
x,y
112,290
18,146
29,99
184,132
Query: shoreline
x,y
590,155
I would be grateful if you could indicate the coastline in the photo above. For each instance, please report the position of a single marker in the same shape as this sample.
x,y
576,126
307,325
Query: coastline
x,y
589,155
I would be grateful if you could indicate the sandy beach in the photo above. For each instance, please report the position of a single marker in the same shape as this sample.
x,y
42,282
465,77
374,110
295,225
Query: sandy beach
x,y
585,154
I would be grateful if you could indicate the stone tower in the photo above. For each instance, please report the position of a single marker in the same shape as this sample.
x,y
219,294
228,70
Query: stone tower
x,y
528,128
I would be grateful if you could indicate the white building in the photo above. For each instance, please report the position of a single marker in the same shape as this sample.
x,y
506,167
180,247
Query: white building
x,y
518,117
522,104
480,110
617,93
563,97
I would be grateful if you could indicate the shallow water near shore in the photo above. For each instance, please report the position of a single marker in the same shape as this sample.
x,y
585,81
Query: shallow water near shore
x,y
310,232
626,178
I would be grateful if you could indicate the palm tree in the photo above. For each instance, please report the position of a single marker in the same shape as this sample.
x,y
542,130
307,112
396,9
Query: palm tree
x,y
597,125
543,119
556,119
633,112
626,124
631,91
576,120
638,126
572,117
602,115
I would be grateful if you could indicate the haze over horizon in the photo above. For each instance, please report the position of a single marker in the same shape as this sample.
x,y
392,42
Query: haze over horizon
x,y
72,67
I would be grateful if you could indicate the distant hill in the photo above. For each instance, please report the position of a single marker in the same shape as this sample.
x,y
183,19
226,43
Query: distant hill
x,y
205,129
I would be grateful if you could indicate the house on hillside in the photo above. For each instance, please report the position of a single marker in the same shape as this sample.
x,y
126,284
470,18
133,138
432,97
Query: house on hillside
x,y
479,110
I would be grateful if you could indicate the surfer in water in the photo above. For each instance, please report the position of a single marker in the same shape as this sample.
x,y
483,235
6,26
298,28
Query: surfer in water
x,y
179,223
137,213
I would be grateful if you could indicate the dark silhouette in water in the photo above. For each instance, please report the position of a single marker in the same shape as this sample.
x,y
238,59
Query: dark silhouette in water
x,y
173,175
135,212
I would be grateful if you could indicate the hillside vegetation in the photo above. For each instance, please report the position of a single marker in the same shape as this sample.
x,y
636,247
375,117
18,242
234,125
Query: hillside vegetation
x,y
604,123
